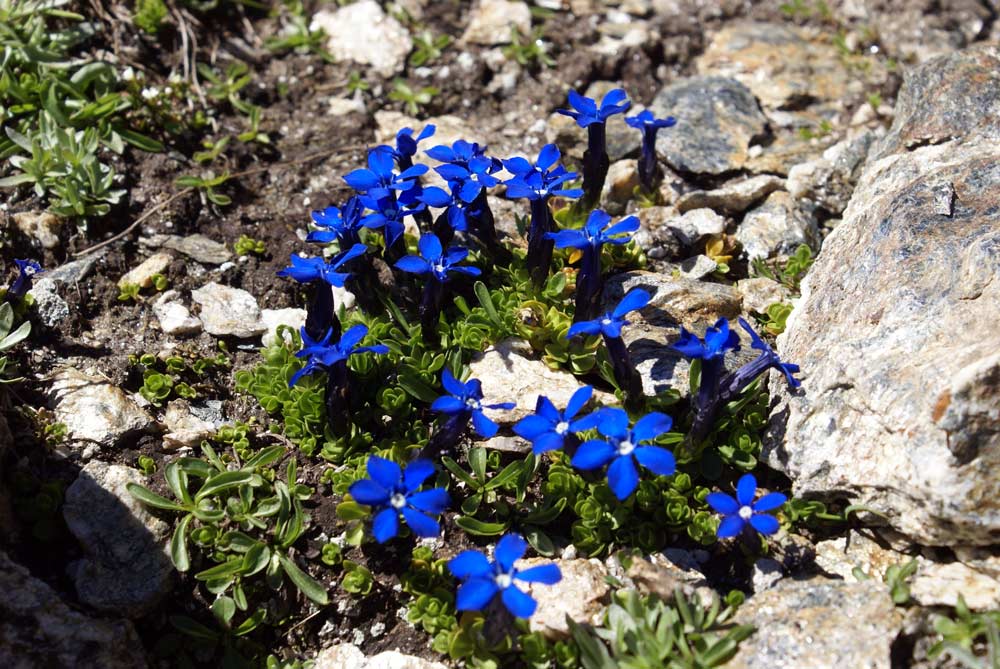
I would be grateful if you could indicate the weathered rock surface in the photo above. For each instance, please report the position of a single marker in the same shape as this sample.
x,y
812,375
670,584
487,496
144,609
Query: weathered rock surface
x,y
654,236
93,409
733,197
759,293
510,374
183,427
51,308
696,224
818,624
227,311
174,317
777,227
126,569
362,32
41,226
491,22
581,594
895,331
775,61
39,630
198,247
718,119
142,274
272,318
829,180
349,656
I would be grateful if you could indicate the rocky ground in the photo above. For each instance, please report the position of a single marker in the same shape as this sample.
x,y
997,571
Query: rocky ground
x,y
865,131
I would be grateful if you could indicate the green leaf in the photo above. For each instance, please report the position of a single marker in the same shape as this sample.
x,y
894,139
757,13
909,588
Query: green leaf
x,y
224,608
140,141
460,473
193,628
178,545
227,569
413,385
150,498
480,528
507,475
351,511
483,295
306,584
16,336
477,462
176,478
222,482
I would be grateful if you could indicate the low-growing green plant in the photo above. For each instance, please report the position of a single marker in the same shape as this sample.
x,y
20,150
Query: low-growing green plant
x,y
297,33
206,185
9,337
428,48
971,639
245,246
147,465
412,98
149,15
528,50
790,272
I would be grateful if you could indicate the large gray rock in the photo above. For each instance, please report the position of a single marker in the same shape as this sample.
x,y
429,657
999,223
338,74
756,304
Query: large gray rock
x,y
818,624
362,32
126,570
93,409
717,120
896,329
581,594
37,629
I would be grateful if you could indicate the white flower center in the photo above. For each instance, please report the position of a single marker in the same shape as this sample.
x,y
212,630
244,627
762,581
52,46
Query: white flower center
x,y
29,270
438,267
605,321
562,427
503,581
626,447
398,500
473,404
745,512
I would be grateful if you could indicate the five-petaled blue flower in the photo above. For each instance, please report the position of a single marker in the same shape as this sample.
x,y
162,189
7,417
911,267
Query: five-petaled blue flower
x,y
547,428
406,145
457,210
436,261
484,580
586,110
467,398
26,271
646,121
623,447
593,234
541,180
305,270
341,224
768,358
379,180
393,493
718,340
388,213
322,354
737,513
610,324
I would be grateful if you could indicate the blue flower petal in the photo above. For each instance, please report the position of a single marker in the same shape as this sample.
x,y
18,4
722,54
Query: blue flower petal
x,y
547,410
547,157
448,404
651,426
509,550
550,441
764,523
369,493
518,602
434,501
384,472
592,454
484,426
637,298
451,384
420,523
413,264
584,327
470,564
613,422
658,460
430,247
362,180
578,401
533,426
769,502
746,488
386,525
475,594
548,574
723,503
623,477
416,473
730,526
689,345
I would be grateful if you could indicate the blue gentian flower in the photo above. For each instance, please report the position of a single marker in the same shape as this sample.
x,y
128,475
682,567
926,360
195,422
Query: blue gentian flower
x,y
392,492
379,180
466,399
305,270
586,112
768,358
610,324
342,225
435,261
323,354
406,145
548,428
388,214
594,118
594,234
718,340
649,125
538,183
484,580
461,153
469,180
26,271
738,513
457,211
624,447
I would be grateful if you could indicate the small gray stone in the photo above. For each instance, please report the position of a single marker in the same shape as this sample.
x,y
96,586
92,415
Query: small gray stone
x,y
696,224
733,197
654,236
829,180
227,311
272,318
621,181
766,573
717,121
491,21
759,293
581,594
505,444
184,429
41,226
662,576
349,656
142,275
126,569
78,270
174,317
39,630
777,228
199,247
362,32
818,624
93,409
698,267
51,308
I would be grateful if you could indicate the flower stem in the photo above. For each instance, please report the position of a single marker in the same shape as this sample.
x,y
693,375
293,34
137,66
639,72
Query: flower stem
x,y
539,248
595,165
